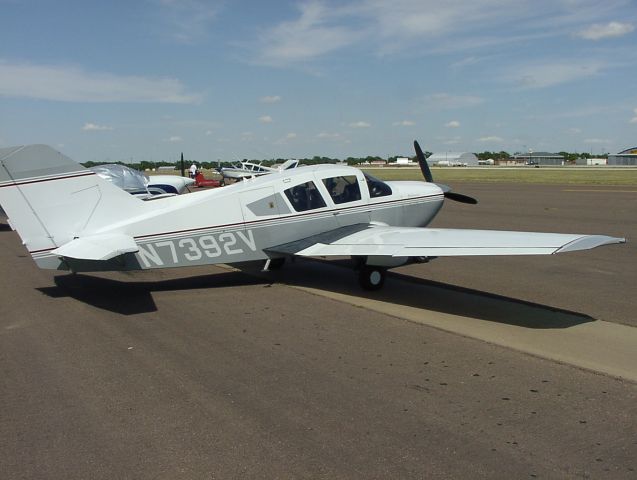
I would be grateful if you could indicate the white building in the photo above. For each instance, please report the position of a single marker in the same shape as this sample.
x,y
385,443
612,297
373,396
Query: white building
x,y
590,161
453,159
401,162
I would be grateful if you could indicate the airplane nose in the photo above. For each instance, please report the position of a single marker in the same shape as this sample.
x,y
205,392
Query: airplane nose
x,y
416,189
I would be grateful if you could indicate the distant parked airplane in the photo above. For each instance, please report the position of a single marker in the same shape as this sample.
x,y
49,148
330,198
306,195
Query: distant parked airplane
x,y
247,169
138,184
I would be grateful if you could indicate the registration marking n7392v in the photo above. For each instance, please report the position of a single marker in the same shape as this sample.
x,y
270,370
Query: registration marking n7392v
x,y
193,249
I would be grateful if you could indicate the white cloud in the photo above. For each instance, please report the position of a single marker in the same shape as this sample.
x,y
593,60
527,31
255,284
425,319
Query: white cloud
x,y
360,124
550,74
458,25
449,101
404,123
322,27
270,99
574,130
452,124
265,119
72,84
288,137
608,30
308,37
491,138
174,139
467,62
328,135
634,119
92,127
401,22
186,21
451,141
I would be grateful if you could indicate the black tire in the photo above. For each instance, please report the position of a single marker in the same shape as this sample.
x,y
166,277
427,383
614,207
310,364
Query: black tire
x,y
371,278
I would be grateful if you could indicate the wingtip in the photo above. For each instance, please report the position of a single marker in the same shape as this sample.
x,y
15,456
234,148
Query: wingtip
x,y
588,242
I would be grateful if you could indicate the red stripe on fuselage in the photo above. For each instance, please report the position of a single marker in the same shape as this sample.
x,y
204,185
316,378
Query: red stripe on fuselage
x,y
27,182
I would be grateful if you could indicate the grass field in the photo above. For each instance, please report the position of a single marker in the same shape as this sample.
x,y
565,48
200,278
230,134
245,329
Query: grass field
x,y
562,176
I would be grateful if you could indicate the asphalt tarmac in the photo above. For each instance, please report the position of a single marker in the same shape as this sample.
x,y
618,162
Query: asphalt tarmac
x,y
215,373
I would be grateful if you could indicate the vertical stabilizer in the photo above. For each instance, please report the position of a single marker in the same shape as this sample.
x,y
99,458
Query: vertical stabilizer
x,y
51,199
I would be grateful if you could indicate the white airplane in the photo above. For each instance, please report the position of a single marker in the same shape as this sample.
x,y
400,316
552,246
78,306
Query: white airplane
x,y
248,169
71,219
139,184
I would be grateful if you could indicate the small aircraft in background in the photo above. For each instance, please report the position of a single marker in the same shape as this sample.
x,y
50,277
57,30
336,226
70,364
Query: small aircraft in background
x,y
138,184
202,182
246,169
71,219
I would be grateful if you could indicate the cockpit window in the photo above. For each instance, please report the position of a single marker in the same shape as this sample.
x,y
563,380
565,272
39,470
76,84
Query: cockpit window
x,y
343,189
377,188
305,197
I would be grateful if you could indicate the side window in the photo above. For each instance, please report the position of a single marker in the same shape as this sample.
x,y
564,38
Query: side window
x,y
305,197
377,188
343,189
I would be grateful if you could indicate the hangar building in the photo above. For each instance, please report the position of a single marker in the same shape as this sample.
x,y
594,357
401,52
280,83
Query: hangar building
x,y
627,157
453,159
540,158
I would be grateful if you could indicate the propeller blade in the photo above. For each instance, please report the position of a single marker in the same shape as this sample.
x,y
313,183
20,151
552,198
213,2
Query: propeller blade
x,y
459,197
424,167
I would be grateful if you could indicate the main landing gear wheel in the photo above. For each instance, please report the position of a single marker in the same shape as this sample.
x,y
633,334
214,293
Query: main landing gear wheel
x,y
371,278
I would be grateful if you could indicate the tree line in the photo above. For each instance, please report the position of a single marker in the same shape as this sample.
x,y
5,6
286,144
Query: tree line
x,y
150,165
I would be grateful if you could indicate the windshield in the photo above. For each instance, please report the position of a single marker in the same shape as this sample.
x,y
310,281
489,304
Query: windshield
x,y
377,188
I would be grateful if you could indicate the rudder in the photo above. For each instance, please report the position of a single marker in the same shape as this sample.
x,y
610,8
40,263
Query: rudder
x,y
51,199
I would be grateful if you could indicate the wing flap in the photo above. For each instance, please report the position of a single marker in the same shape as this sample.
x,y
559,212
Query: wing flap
x,y
440,242
97,247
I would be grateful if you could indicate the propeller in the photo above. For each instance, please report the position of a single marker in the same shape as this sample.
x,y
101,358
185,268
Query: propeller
x,y
426,172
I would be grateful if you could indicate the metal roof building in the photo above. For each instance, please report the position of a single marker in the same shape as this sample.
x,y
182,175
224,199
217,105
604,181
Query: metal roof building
x,y
453,159
540,158
627,157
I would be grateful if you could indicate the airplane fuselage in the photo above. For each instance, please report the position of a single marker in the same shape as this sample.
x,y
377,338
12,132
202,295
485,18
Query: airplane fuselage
x,y
240,222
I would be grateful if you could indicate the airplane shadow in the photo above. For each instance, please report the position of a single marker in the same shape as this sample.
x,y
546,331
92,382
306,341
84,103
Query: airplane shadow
x,y
131,297
429,295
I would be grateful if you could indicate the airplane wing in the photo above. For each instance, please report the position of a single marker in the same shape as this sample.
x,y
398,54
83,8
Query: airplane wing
x,y
97,247
362,240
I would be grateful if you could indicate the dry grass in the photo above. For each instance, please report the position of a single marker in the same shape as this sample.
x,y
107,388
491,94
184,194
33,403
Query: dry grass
x,y
562,176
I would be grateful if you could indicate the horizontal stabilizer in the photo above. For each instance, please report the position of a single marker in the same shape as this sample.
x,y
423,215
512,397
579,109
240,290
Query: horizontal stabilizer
x,y
97,247
438,242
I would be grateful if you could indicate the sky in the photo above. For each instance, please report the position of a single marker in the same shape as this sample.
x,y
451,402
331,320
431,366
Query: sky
x,y
227,80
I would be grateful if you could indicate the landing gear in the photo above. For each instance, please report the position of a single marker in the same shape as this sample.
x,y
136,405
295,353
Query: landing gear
x,y
371,278
277,263
273,264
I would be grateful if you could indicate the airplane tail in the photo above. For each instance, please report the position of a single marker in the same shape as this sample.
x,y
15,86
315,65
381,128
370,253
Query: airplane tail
x,y
289,164
51,199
